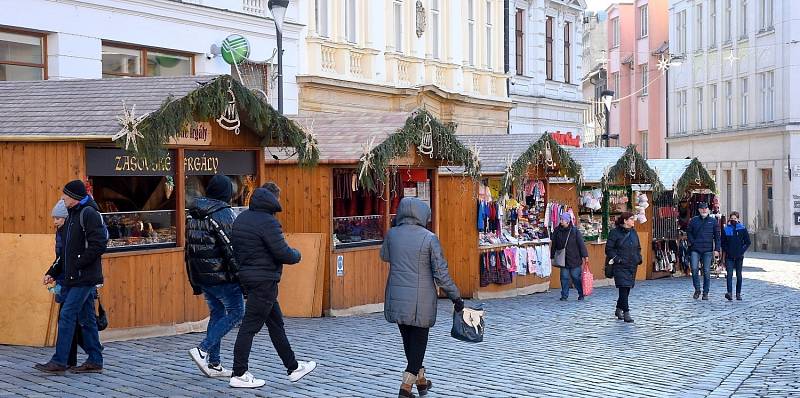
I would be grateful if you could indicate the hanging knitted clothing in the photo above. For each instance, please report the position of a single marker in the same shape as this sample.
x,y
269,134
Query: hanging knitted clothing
x,y
522,261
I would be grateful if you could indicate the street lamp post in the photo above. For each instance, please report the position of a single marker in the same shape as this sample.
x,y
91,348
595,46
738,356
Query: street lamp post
x,y
606,96
278,10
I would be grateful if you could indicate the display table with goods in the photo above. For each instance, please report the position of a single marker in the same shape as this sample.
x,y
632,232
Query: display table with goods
x,y
527,182
144,151
687,183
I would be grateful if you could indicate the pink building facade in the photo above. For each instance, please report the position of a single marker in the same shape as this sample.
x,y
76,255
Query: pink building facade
x,y
638,34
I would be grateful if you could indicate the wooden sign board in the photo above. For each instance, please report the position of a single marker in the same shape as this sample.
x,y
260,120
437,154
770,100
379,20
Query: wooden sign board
x,y
200,134
300,290
29,311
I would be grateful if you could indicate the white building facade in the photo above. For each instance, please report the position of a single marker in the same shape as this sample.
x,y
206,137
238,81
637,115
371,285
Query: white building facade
x,y
546,66
92,39
733,104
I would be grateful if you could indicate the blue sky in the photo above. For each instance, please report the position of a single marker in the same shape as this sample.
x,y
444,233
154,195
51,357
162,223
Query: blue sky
x,y
596,5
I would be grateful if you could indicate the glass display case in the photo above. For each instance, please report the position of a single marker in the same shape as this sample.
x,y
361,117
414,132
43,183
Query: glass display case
x,y
358,231
134,230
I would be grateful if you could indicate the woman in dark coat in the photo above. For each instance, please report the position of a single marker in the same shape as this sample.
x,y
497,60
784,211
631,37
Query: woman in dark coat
x,y
567,237
624,250
416,267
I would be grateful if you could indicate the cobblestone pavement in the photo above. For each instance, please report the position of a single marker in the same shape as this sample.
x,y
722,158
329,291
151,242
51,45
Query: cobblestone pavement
x,y
535,346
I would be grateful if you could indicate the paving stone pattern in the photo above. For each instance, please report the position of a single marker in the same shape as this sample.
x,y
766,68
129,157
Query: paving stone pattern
x,y
535,346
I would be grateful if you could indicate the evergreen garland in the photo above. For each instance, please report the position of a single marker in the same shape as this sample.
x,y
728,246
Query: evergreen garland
x,y
695,172
446,148
644,174
208,102
535,154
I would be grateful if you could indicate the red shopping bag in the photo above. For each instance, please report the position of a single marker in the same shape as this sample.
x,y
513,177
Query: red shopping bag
x,y
588,280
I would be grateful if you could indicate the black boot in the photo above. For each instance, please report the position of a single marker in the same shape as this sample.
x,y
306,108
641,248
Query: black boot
x,y
696,294
705,296
739,297
618,314
627,317
728,296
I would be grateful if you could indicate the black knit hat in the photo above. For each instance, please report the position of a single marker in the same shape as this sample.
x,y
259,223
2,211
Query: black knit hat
x,y
75,189
220,188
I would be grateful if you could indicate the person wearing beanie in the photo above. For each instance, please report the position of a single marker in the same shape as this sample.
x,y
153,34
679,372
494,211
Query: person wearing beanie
x,y
78,266
212,270
704,238
566,237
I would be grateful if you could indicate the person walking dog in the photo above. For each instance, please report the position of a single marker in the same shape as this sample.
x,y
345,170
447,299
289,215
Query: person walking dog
x,y
416,267
566,237
625,253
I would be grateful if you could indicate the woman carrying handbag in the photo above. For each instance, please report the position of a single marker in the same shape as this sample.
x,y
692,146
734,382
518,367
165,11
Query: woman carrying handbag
x,y
570,255
623,255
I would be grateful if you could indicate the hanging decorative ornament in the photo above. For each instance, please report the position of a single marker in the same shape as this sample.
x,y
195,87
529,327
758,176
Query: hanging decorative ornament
x,y
366,158
229,120
310,139
508,175
169,186
426,141
664,63
130,126
697,175
475,153
548,155
632,167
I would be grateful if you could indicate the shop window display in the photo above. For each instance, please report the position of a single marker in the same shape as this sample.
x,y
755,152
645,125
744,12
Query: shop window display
x,y
358,214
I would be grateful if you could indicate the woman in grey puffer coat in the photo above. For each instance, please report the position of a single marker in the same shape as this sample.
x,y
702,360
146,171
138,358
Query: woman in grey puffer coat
x,y
416,262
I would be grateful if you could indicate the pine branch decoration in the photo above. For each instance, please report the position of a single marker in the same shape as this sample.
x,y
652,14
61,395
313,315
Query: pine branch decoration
x,y
695,173
644,173
535,155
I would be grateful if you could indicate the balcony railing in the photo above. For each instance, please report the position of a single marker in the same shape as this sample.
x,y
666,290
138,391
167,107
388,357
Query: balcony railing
x,y
255,7
356,69
328,59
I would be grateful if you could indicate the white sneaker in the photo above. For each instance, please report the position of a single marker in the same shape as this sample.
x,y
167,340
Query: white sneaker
x,y
247,380
200,357
218,371
303,368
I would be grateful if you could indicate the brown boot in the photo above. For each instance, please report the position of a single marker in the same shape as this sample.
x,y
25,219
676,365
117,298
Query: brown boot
x,y
88,368
423,384
408,384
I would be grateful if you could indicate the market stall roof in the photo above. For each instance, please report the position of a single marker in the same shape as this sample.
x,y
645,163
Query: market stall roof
x,y
150,110
633,168
496,150
595,162
680,174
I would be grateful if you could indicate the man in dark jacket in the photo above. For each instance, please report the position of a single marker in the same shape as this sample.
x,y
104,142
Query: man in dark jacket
x,y
84,239
704,243
567,237
735,242
211,266
261,250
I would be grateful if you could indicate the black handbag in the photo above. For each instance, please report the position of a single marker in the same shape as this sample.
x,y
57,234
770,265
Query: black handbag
x,y
102,318
468,325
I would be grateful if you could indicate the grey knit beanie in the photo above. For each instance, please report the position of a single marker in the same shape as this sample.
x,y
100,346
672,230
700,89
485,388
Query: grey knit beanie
x,y
60,210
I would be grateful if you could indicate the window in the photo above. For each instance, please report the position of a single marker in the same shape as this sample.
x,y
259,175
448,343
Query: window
x,y
728,191
644,143
645,73
435,28
768,96
743,20
726,22
471,31
698,94
680,29
744,105
549,47
614,31
398,25
359,217
713,106
745,200
729,103
766,199
615,77
120,61
321,17
698,27
682,112
489,39
21,56
520,42
765,14
350,20
643,21
567,52
712,23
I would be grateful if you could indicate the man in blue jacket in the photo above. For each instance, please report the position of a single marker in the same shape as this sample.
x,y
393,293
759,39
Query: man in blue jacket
x,y
704,242
735,242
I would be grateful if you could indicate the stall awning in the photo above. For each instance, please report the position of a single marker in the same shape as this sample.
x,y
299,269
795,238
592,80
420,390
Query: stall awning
x,y
669,170
680,174
595,162
495,151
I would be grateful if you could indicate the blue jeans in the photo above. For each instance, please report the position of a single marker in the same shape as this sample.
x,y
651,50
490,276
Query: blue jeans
x,y
574,274
78,309
226,307
734,264
695,259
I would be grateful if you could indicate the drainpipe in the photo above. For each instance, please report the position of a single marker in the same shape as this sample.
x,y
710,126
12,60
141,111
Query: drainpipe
x,y
507,25
666,110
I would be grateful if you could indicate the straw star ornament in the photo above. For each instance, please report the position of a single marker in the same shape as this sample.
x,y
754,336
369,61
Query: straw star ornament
x,y
130,126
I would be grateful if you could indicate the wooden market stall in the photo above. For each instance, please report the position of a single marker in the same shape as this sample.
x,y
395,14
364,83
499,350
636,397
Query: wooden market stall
x,y
612,177
74,129
368,163
524,178
686,183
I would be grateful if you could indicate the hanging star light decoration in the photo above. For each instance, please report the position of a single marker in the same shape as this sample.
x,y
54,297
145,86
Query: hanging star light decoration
x,y
130,126
732,58
475,153
366,157
664,63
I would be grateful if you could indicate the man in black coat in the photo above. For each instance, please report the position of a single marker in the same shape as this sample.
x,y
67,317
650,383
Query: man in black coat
x,y
703,234
261,250
211,267
84,239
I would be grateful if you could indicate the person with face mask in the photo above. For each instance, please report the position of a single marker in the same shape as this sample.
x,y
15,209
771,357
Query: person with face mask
x,y
704,244
735,242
